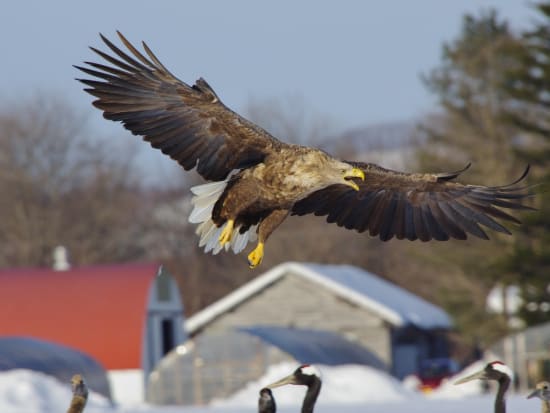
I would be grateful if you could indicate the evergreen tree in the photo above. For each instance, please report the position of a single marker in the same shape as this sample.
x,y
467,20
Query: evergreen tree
x,y
529,84
472,84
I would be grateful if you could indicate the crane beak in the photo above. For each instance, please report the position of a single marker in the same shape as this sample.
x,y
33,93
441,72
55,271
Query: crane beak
x,y
354,173
480,375
535,393
285,380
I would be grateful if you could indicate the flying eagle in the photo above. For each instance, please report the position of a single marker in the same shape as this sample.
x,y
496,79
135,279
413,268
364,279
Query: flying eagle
x,y
258,180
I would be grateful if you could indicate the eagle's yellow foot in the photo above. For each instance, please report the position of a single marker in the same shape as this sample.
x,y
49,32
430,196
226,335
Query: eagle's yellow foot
x,y
255,257
225,236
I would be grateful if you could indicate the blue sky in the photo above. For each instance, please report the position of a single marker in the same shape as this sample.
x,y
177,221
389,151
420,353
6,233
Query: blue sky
x,y
358,62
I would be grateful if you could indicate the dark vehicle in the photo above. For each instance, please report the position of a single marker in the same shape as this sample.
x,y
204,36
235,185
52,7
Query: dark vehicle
x,y
433,371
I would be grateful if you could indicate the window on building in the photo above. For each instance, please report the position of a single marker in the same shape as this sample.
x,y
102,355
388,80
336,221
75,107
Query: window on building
x,y
167,330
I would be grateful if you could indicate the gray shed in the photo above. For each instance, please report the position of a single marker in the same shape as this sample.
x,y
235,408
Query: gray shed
x,y
398,327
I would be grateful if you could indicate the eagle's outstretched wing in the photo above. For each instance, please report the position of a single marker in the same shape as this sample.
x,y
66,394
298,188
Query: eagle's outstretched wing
x,y
188,123
415,206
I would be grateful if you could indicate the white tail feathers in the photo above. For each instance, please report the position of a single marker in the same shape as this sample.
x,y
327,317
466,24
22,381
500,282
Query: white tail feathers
x,y
203,202
209,237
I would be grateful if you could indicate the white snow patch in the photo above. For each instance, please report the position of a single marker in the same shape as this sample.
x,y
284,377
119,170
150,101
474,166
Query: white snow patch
x,y
26,391
411,382
341,385
127,386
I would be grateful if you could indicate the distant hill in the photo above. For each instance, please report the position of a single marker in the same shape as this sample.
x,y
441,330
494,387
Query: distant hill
x,y
388,135
388,144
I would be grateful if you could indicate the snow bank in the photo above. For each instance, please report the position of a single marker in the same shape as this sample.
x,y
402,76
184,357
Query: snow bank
x,y
26,391
346,389
127,386
347,384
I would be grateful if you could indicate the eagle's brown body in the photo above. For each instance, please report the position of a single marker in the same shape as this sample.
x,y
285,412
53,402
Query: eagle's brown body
x,y
258,180
282,179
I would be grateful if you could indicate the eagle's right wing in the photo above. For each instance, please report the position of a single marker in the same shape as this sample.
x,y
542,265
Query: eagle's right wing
x,y
415,206
188,123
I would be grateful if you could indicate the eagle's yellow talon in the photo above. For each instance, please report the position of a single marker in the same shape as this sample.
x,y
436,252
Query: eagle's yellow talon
x,y
225,236
256,256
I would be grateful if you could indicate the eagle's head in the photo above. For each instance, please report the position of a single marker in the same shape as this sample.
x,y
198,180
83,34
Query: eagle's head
x,y
338,172
314,169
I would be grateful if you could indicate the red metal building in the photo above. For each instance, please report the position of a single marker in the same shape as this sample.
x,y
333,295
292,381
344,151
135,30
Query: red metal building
x,y
126,316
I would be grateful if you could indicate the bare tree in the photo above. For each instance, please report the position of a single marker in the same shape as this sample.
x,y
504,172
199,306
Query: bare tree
x,y
60,185
290,119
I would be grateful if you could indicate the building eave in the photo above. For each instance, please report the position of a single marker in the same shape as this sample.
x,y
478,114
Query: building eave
x,y
204,317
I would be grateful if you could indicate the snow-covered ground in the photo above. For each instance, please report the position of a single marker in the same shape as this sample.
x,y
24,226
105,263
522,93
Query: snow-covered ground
x,y
25,391
127,386
346,389
341,385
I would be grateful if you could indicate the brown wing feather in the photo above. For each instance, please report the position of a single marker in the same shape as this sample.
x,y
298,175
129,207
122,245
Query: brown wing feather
x,y
415,206
190,124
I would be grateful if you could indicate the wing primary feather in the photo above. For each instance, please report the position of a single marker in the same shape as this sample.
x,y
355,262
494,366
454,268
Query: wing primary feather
x,y
370,202
511,205
134,51
435,228
376,219
114,61
96,73
336,208
497,213
421,228
463,221
501,195
113,70
156,60
446,222
345,209
124,56
360,209
389,219
479,216
408,221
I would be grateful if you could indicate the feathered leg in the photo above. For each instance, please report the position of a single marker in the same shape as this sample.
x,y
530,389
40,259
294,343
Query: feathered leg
x,y
265,228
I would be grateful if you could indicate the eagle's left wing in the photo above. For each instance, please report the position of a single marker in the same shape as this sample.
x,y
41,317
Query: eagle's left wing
x,y
415,206
188,123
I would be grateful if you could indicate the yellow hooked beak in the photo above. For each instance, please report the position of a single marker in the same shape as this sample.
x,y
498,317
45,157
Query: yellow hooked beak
x,y
354,173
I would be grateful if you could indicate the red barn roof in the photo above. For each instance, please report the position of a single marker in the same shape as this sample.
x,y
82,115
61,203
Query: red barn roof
x,y
100,310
